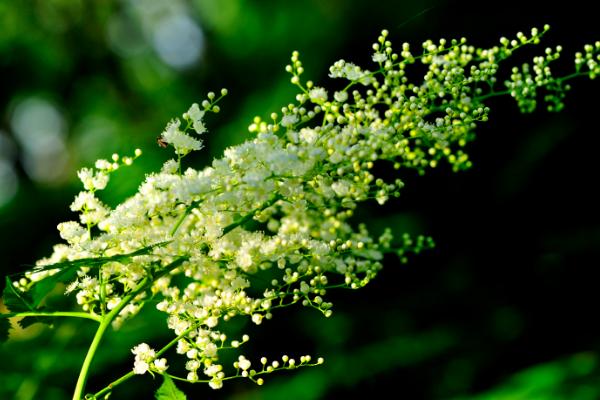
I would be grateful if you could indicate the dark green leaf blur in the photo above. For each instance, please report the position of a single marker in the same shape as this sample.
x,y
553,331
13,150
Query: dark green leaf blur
x,y
505,307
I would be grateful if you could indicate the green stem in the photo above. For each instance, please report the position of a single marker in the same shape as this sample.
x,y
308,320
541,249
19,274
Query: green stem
x,y
505,92
104,324
79,388
492,94
72,314
130,374
114,383
108,318
189,209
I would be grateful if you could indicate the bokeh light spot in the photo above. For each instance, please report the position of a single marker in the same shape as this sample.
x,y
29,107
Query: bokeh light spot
x,y
178,41
39,128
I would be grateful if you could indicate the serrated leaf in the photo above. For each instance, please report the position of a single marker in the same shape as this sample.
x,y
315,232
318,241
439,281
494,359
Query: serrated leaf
x,y
168,390
16,301
4,328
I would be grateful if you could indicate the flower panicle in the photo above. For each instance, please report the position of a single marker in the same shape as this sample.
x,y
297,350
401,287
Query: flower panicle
x,y
282,203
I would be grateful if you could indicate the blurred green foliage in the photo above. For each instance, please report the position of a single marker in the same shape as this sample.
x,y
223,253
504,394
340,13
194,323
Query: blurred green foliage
x,y
504,308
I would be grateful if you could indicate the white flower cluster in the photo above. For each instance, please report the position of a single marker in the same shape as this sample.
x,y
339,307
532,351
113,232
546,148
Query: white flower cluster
x,y
352,72
145,360
182,142
278,207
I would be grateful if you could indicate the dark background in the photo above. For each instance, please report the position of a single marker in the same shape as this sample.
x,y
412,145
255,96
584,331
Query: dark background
x,y
506,305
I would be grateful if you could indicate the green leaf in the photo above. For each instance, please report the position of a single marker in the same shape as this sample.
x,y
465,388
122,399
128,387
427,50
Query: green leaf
x,y
15,300
4,328
168,390
97,261
41,289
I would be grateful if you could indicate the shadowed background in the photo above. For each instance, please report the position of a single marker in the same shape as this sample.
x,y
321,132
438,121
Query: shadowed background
x,y
505,307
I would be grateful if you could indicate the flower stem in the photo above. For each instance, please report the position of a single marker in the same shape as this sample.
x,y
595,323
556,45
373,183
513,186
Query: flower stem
x,y
107,320
111,385
104,324
130,374
79,388
71,314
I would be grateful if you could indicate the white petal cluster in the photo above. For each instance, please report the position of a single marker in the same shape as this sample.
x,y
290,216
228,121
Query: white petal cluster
x,y
350,71
196,116
181,141
145,360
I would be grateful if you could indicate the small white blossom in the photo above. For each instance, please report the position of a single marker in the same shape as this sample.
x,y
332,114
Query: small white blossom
x,y
140,367
318,95
289,120
379,57
103,165
72,232
243,363
216,383
160,365
144,355
196,115
340,96
211,322
182,142
213,370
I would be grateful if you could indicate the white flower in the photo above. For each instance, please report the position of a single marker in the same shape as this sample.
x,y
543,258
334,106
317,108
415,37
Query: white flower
x,y
341,96
103,165
192,376
216,383
140,367
170,167
192,365
379,57
100,181
72,232
341,188
192,353
210,350
85,175
289,120
160,365
308,135
243,363
211,322
83,200
318,95
182,142
212,370
257,318
196,115
144,354
143,351
113,302
182,346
